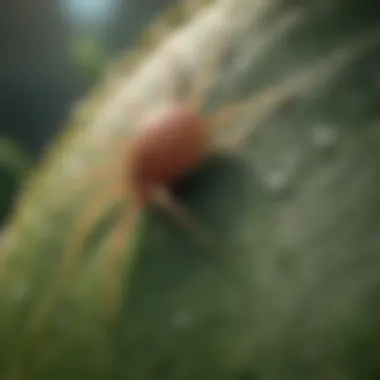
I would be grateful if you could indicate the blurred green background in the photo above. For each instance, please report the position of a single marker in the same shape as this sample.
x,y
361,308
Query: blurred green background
x,y
51,52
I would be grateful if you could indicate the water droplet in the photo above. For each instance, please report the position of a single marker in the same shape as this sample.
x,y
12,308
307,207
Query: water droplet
x,y
324,135
277,180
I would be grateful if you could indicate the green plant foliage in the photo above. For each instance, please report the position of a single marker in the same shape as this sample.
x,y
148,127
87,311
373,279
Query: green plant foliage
x,y
89,56
14,167
294,202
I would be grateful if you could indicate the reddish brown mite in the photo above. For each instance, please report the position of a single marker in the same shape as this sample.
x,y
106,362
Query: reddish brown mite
x,y
168,145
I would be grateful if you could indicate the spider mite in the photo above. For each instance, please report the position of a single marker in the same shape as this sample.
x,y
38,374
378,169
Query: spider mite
x,y
170,142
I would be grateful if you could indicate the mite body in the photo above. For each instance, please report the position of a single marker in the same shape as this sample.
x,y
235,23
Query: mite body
x,y
170,143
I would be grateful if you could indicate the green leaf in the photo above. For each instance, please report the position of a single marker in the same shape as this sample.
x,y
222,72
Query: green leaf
x,y
293,201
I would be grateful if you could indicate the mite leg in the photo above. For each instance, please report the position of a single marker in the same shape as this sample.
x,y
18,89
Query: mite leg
x,y
70,257
257,106
107,171
123,112
207,75
172,86
291,87
113,157
164,199
111,168
93,211
205,78
115,262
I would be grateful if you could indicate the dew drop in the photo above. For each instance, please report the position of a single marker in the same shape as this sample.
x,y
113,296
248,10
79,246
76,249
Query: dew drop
x,y
277,180
324,135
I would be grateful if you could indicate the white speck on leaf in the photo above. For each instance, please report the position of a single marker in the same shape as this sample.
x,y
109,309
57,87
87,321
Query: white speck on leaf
x,y
277,180
324,135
